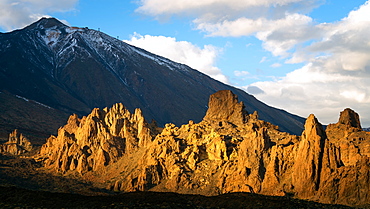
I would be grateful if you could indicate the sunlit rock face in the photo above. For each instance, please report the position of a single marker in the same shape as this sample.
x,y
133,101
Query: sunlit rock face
x,y
16,145
346,165
230,150
224,106
350,118
95,141
308,161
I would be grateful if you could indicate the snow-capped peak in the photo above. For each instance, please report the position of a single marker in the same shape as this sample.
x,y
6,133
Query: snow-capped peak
x,y
46,23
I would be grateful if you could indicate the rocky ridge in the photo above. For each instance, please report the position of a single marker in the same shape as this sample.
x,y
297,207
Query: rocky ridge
x,y
95,141
228,151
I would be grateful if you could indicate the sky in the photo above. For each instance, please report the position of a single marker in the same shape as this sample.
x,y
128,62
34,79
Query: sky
x,y
303,56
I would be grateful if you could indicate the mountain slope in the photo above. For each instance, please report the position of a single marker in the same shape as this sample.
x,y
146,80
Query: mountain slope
x,y
74,70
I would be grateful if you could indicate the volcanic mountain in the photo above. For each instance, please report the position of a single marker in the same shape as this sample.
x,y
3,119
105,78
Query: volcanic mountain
x,y
49,70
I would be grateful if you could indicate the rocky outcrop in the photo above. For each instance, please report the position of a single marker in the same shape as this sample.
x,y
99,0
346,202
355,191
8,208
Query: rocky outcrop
x,y
16,145
95,141
229,151
308,162
224,106
232,151
350,118
346,163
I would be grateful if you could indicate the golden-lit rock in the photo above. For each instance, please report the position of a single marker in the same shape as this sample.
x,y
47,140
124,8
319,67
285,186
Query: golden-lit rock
x,y
226,152
224,106
308,162
229,151
93,142
346,162
16,145
350,118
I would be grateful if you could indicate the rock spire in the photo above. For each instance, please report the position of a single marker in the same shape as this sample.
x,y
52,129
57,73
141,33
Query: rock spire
x,y
224,106
350,118
16,145
97,140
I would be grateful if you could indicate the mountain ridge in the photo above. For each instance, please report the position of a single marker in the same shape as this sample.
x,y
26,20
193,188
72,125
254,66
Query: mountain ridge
x,y
74,70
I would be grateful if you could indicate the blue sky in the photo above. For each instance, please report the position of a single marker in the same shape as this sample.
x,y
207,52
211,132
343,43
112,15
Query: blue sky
x,y
304,56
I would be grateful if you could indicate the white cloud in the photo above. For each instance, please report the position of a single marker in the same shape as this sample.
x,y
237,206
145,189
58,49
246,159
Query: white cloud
x,y
278,35
334,78
357,95
263,59
202,59
309,90
280,24
275,65
17,14
241,73
214,10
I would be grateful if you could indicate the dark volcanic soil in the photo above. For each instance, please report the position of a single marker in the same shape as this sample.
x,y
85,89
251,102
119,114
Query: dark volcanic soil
x,y
12,197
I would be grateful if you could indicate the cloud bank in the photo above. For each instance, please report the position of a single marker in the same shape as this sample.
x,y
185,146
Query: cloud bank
x,y
202,59
336,75
336,56
15,14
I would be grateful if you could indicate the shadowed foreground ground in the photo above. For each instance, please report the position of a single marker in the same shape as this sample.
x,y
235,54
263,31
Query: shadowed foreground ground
x,y
11,197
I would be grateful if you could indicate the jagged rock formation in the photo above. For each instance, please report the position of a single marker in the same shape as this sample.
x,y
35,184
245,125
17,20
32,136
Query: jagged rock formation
x,y
308,161
350,118
16,145
95,141
346,162
229,151
224,106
